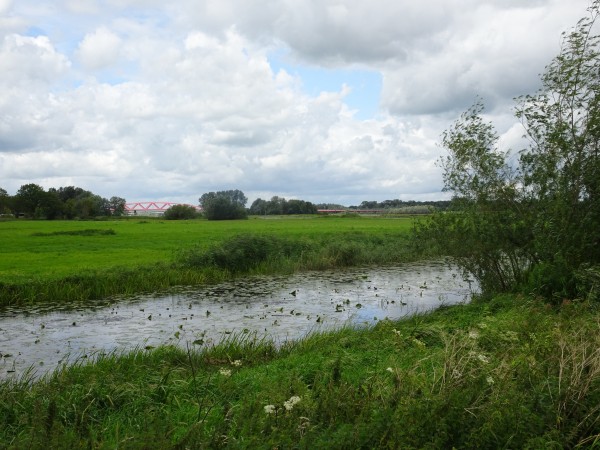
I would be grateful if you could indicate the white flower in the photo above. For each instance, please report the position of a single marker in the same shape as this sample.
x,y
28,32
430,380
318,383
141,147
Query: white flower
x,y
419,343
484,359
289,405
225,372
473,334
237,363
489,380
390,370
270,409
396,332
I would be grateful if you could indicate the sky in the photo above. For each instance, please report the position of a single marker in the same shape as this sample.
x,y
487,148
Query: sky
x,y
329,101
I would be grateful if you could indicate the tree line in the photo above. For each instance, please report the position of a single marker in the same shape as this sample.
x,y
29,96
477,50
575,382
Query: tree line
x,y
279,205
70,202
400,204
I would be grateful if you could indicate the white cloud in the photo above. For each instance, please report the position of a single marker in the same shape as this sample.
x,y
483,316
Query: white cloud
x,y
28,61
99,49
180,99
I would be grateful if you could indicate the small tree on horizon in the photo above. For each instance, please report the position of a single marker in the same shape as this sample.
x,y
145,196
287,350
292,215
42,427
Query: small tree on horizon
x,y
224,205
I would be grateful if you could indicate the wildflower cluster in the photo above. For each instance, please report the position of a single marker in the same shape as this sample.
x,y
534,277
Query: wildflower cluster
x,y
288,405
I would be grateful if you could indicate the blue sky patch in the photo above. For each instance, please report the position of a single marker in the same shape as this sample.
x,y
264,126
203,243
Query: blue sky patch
x,y
365,85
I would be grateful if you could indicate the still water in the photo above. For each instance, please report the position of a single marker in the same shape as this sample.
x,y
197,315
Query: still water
x,y
278,307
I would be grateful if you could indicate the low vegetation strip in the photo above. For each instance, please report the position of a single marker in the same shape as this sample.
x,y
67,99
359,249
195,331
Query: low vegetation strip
x,y
510,372
86,232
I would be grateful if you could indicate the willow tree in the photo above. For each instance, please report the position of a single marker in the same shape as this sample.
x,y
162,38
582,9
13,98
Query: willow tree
x,y
536,225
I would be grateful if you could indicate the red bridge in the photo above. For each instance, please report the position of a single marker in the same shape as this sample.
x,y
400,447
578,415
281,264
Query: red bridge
x,y
151,208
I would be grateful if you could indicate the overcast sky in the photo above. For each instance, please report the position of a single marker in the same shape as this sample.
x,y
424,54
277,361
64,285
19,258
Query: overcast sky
x,y
323,100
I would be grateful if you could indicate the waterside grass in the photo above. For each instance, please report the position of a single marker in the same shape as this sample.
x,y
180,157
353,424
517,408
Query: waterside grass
x,y
72,261
510,372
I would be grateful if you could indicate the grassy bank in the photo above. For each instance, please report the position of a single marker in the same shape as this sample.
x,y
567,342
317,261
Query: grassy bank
x,y
511,372
70,260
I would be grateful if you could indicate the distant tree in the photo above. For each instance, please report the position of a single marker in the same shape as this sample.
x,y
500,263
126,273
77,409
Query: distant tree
x,y
5,202
89,206
235,196
117,206
224,205
52,207
279,205
70,192
276,205
368,205
300,207
29,198
181,212
259,207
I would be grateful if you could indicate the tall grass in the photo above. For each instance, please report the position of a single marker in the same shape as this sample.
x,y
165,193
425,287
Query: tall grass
x,y
508,373
251,252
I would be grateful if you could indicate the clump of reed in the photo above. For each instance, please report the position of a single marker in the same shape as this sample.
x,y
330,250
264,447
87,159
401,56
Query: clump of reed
x,y
268,253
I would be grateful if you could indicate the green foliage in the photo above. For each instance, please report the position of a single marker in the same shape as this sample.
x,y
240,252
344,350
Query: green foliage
x,y
241,253
532,227
69,202
181,212
279,205
224,205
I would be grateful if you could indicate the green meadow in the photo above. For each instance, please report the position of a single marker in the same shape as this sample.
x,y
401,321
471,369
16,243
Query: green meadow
x,y
67,260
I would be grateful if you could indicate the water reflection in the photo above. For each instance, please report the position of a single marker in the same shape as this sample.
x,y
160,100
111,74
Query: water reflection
x,y
279,307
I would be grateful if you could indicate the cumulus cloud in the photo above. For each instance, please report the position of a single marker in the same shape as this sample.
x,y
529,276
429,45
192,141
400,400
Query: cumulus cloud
x,y
99,49
148,100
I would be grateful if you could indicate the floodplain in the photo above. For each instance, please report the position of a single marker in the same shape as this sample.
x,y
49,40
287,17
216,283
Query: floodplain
x,y
487,373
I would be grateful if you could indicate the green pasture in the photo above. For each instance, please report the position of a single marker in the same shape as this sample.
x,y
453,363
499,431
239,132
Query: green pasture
x,y
25,256
65,260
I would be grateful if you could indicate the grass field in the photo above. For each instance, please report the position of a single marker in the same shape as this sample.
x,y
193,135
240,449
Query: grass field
x,y
54,260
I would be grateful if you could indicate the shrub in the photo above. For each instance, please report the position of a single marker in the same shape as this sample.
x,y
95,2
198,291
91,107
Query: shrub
x,y
181,212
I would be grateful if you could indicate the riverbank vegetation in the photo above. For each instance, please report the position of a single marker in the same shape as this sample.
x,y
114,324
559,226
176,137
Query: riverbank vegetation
x,y
507,372
530,221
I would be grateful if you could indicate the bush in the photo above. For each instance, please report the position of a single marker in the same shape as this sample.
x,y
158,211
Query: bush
x,y
243,252
181,212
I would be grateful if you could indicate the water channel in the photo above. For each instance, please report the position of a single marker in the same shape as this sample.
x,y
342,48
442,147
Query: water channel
x,y
281,308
